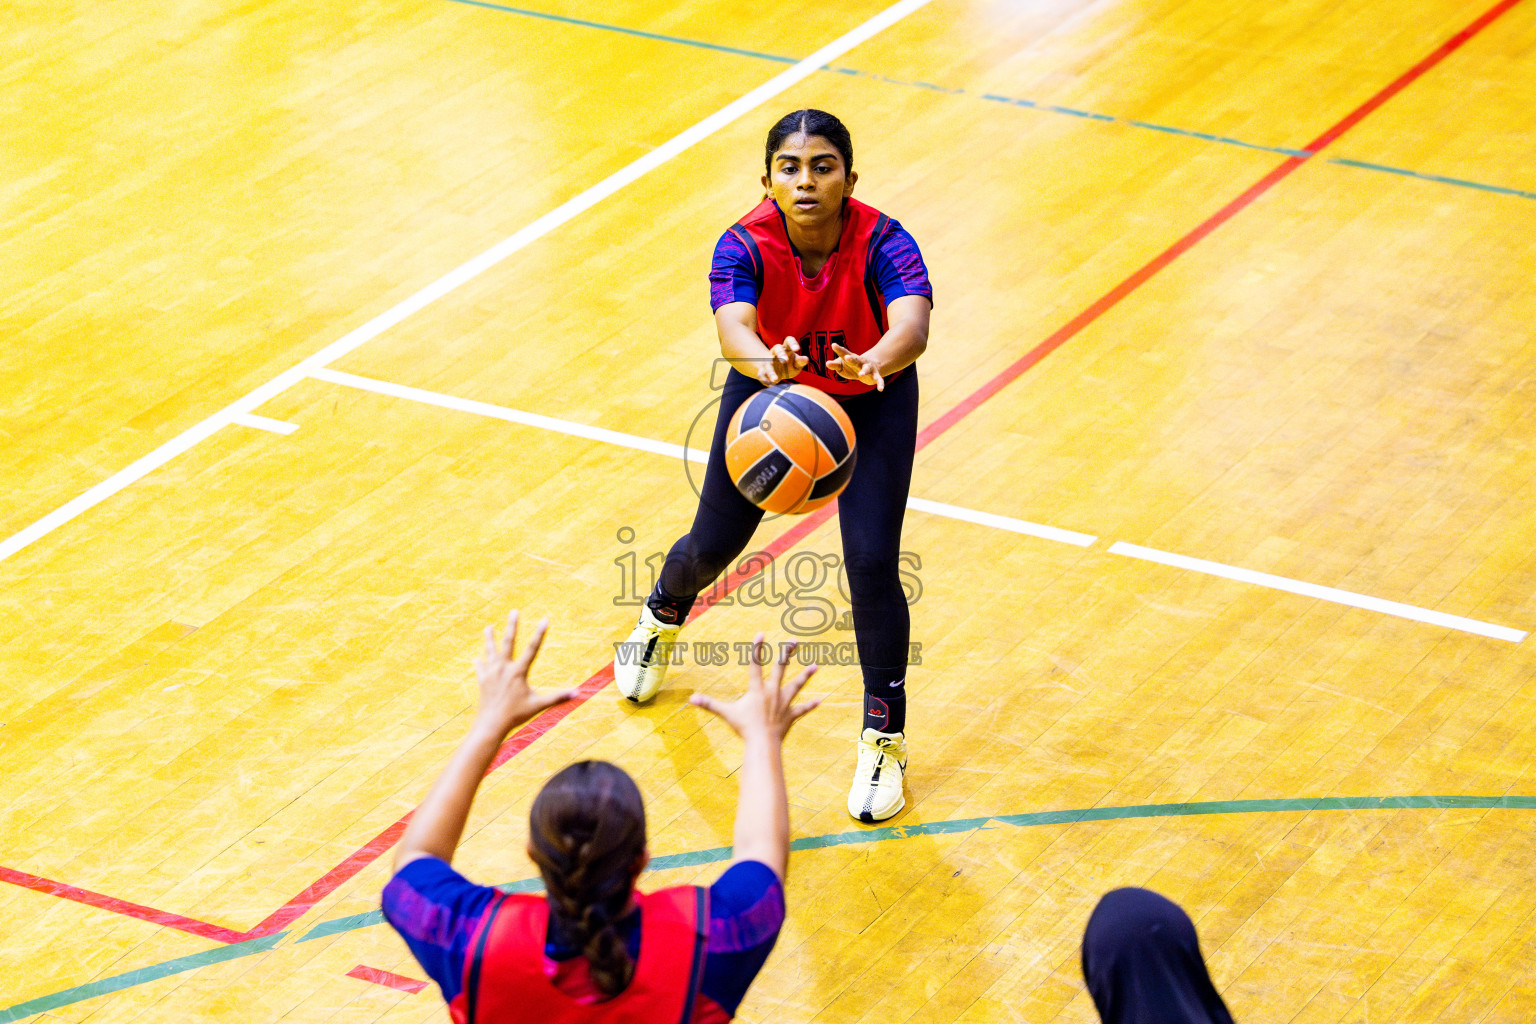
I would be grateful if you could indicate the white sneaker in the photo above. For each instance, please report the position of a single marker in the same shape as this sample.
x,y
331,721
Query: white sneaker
x,y
640,663
876,793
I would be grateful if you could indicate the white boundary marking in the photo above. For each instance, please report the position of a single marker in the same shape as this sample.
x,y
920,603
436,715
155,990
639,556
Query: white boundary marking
x,y
241,411
936,508
1052,533
676,451
1345,597
501,412
457,277
250,419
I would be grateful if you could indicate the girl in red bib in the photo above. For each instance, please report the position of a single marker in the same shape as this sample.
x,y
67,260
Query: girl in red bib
x,y
813,285
594,948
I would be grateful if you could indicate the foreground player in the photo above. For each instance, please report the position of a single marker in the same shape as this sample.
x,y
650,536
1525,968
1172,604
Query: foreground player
x,y
845,287
1142,963
595,948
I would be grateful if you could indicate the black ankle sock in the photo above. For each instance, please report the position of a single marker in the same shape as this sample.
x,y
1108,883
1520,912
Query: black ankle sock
x,y
671,610
886,712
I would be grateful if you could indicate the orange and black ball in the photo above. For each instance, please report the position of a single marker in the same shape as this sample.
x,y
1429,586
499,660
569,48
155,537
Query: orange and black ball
x,y
790,448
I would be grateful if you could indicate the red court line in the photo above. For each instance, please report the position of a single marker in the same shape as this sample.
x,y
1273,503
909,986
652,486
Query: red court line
x,y
327,883
786,540
524,737
1105,302
49,887
387,978
1410,76
1112,298
519,741
515,744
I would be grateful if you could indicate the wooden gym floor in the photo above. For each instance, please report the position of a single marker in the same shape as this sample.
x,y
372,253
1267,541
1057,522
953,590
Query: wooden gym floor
x,y
1222,520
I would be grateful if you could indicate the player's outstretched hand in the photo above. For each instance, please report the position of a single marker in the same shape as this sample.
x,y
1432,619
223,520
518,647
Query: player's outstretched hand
x,y
767,708
506,699
856,367
786,363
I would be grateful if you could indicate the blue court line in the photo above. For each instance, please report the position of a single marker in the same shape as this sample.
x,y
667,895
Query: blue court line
x,y
1226,140
658,37
862,836
1095,116
1089,115
1500,189
855,72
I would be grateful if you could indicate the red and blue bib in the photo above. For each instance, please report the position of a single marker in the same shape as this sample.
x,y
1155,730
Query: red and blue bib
x,y
505,982
841,305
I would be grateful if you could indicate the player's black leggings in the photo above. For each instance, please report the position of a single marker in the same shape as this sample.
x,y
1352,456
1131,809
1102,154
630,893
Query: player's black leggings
x,y
870,513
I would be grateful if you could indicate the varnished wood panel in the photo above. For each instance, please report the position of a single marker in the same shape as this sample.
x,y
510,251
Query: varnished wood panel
x,y
223,681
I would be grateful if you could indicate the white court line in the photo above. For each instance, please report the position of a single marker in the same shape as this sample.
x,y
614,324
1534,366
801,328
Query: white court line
x,y
936,508
676,451
250,419
501,412
1082,540
572,207
1345,597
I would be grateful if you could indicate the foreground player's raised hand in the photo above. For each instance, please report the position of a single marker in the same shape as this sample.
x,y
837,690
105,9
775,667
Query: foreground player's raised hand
x,y
768,707
506,699
506,702
786,362
853,366
761,717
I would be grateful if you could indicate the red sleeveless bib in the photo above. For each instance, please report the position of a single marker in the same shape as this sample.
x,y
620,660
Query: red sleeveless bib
x,y
504,980
840,305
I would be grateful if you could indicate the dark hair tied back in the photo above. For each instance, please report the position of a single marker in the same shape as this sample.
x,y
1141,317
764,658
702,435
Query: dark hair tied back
x,y
586,833
810,122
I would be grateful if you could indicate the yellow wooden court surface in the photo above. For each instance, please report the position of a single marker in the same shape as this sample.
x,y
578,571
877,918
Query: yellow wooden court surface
x,y
1223,521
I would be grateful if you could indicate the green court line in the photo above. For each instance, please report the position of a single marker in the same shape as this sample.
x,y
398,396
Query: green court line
x,y
855,837
142,976
861,836
337,925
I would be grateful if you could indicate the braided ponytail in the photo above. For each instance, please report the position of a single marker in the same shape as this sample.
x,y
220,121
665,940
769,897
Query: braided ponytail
x,y
587,834
605,950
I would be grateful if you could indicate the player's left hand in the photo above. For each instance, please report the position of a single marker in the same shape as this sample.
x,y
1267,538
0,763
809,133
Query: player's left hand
x,y
766,710
856,367
506,699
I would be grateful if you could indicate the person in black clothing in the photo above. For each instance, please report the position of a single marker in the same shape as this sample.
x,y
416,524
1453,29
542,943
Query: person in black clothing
x,y
1142,963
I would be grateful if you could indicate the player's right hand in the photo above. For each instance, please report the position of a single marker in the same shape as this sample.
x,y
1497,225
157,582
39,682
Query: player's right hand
x,y
506,699
786,361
